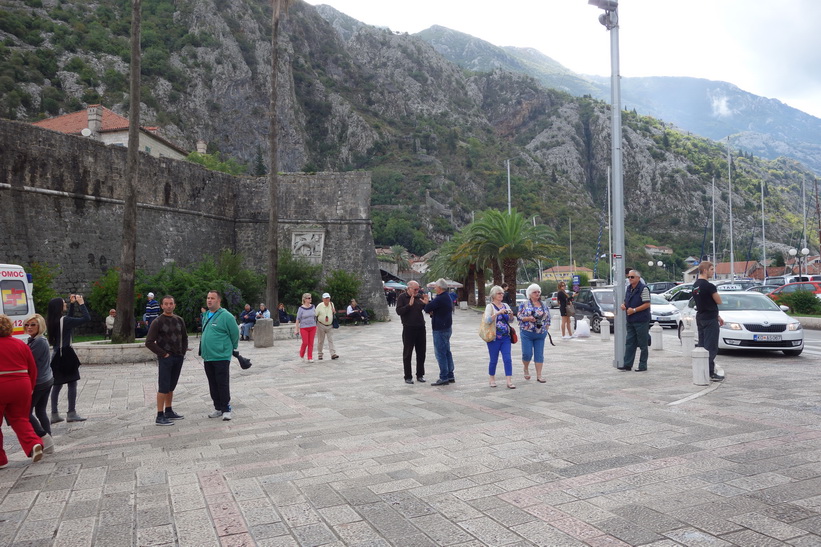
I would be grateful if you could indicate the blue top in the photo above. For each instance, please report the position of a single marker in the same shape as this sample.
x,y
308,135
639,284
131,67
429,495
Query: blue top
x,y
306,317
441,310
541,314
502,320
152,310
633,298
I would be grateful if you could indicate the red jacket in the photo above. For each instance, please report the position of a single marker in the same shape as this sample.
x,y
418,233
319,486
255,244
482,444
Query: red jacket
x,y
16,356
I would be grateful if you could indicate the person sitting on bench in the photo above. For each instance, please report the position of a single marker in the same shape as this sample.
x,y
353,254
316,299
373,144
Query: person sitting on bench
x,y
356,313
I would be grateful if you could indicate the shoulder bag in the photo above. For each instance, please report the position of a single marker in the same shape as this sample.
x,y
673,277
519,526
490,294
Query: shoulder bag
x,y
487,331
570,309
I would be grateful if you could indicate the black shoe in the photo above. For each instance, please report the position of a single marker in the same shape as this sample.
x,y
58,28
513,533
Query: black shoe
x,y
625,369
716,377
452,380
440,383
641,370
408,381
420,379
162,420
171,415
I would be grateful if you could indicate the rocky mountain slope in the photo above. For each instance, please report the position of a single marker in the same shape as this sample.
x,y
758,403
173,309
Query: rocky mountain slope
x,y
351,96
765,127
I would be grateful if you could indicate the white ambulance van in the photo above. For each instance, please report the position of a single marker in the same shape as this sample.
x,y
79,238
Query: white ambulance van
x,y
16,296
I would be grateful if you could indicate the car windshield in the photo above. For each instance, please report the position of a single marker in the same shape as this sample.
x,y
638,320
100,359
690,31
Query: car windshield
x,y
658,299
747,301
605,297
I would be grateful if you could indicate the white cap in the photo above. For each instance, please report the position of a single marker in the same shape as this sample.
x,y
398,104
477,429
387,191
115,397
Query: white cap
x,y
326,295
151,295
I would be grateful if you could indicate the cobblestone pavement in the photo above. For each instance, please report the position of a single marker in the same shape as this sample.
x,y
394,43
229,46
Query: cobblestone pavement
x,y
343,452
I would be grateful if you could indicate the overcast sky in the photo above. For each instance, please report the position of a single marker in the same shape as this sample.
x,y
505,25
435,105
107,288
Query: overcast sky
x,y
768,47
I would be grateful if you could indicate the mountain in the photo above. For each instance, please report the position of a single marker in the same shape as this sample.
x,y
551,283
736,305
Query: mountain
x,y
713,109
434,135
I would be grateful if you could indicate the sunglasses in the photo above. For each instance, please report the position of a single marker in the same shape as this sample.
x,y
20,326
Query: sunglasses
x,y
30,325
631,277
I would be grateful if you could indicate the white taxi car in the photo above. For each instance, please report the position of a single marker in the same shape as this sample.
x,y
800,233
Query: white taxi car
x,y
752,322
663,312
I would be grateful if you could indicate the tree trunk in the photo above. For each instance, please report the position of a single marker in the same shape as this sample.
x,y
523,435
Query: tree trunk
x,y
480,286
272,286
470,283
124,324
497,272
509,266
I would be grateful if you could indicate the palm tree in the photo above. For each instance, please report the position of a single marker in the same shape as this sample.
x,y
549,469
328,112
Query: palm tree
x,y
272,289
512,238
124,324
399,254
450,264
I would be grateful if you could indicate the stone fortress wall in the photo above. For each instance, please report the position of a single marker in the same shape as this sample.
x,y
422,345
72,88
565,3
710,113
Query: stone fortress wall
x,y
61,200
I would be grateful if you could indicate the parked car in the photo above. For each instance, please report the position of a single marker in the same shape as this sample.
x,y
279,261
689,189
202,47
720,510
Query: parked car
x,y
679,296
752,321
811,286
553,300
660,286
784,279
764,289
595,304
663,312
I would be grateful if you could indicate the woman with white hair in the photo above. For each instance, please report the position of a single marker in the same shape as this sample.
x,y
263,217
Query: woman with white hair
x,y
499,313
534,317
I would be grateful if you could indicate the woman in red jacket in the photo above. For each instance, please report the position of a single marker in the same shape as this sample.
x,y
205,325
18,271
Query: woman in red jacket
x,y
18,376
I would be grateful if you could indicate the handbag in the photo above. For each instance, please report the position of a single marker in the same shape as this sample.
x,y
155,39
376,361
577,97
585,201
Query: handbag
x,y
570,309
487,331
65,362
335,323
513,336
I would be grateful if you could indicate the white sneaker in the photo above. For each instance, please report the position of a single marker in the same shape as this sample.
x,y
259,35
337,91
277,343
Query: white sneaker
x,y
310,360
37,453
216,414
226,416
565,337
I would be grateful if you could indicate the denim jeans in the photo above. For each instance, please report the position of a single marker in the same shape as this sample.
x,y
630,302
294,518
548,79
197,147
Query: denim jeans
x,y
532,346
441,347
708,332
638,334
494,348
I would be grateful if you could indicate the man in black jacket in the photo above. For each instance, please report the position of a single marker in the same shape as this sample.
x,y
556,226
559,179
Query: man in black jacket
x,y
409,306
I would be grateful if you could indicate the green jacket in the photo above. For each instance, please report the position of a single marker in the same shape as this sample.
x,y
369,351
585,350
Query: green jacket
x,y
220,336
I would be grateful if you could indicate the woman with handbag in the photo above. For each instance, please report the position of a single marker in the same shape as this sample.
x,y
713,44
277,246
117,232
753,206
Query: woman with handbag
x,y
497,314
566,310
64,362
35,327
534,317
18,375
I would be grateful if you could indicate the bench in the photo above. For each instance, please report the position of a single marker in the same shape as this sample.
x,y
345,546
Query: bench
x,y
342,317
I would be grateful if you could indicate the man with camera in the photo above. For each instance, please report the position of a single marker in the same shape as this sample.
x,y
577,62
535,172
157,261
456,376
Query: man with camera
x,y
441,312
168,338
409,306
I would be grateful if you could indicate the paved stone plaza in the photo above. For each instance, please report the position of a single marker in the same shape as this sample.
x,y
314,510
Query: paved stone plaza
x,y
343,452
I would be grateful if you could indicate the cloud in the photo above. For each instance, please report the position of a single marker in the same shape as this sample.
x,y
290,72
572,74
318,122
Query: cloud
x,y
721,107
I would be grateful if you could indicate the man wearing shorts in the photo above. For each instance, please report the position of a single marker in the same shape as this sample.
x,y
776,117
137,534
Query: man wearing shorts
x,y
168,338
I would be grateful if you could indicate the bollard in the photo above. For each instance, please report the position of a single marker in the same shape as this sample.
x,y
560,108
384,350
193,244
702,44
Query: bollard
x,y
604,330
656,332
264,333
463,305
687,345
701,366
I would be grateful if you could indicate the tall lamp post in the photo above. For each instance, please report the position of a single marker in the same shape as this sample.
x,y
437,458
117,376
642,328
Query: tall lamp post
x,y
804,252
610,19
660,264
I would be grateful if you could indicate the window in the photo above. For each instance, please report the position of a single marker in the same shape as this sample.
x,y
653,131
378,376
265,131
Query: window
x,y
15,299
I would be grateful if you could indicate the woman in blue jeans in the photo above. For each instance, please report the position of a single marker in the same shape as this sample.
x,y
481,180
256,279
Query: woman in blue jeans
x,y
499,313
534,318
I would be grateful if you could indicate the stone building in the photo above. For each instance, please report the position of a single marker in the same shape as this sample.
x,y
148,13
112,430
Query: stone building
x,y
61,201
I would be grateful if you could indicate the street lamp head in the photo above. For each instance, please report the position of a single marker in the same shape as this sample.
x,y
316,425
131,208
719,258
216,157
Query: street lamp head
x,y
805,251
649,262
792,252
659,263
609,5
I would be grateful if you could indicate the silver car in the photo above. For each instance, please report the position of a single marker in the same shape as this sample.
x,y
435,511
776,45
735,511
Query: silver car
x,y
752,322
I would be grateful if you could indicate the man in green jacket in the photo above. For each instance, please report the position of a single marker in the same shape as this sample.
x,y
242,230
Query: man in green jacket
x,y
220,337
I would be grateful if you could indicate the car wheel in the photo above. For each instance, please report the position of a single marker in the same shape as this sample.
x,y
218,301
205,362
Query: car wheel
x,y
793,352
595,324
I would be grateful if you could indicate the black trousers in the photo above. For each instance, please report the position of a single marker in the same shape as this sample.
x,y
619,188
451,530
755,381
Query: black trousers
x,y
413,338
218,383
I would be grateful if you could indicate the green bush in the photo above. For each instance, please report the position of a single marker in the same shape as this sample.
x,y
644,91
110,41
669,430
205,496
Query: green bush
x,y
342,286
802,303
296,276
43,278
